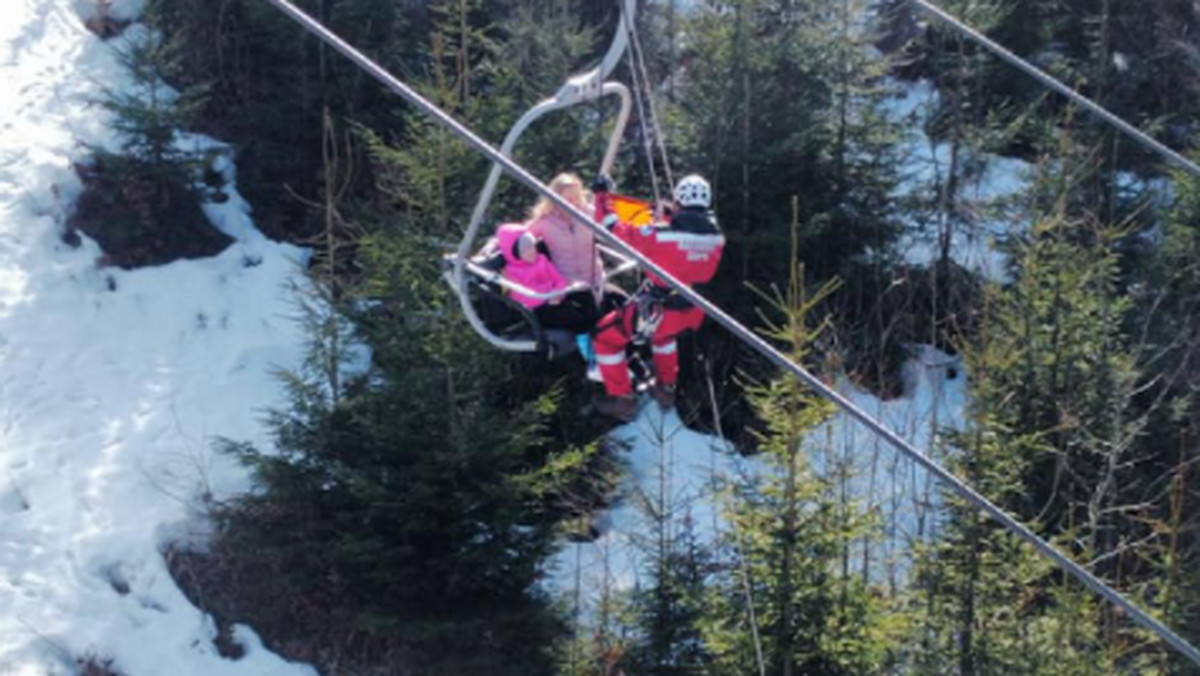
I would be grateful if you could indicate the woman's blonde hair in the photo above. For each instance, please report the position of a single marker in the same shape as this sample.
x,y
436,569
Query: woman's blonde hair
x,y
559,185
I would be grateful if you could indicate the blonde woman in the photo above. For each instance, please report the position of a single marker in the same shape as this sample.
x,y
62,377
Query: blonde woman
x,y
573,251
572,246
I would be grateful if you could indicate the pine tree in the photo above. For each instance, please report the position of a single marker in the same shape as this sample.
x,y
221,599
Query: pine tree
x,y
678,565
672,605
270,83
779,100
1175,292
989,604
967,132
427,486
1133,62
1056,435
422,493
142,202
784,603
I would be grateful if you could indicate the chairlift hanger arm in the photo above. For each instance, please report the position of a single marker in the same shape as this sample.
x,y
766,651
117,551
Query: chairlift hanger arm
x,y
752,339
587,86
579,89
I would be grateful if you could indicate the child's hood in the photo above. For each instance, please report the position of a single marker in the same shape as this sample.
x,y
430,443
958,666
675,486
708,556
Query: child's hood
x,y
507,236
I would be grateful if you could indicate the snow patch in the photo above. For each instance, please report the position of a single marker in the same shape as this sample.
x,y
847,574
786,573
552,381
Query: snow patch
x,y
674,468
114,383
986,193
119,10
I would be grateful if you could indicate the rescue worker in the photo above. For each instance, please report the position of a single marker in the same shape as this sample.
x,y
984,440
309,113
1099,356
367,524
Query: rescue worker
x,y
688,247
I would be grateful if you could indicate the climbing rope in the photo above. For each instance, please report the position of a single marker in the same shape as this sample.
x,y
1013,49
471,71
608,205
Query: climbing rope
x,y
639,60
747,336
647,143
1049,81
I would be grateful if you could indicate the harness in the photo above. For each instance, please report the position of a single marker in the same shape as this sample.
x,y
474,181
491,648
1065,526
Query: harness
x,y
648,305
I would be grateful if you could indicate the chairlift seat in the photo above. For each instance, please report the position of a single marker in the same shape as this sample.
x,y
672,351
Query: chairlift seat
x,y
501,314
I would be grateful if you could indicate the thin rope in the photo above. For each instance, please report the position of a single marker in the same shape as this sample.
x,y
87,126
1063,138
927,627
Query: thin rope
x,y
648,146
659,136
748,590
1049,81
739,550
747,336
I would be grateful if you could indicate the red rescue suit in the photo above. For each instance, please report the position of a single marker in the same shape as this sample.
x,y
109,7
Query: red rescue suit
x,y
689,248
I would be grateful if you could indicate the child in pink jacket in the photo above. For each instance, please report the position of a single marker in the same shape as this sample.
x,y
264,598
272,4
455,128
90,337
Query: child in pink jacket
x,y
530,268
526,266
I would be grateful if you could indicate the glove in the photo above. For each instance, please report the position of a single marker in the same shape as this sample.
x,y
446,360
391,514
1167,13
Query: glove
x,y
603,183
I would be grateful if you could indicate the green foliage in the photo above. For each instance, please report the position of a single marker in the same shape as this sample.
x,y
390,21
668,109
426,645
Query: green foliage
x,y
427,487
671,607
1131,61
668,603
1176,289
1178,273
1066,366
420,492
142,204
600,649
990,605
1055,435
779,100
150,116
423,489
484,61
785,587
269,86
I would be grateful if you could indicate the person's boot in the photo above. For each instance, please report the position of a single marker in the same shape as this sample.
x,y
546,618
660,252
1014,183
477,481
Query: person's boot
x,y
663,394
593,373
624,409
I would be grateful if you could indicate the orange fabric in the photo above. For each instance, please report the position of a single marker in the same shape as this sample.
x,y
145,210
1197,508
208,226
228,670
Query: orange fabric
x,y
631,210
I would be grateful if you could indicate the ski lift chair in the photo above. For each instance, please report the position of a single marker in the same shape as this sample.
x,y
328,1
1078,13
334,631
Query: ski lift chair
x,y
489,294
477,278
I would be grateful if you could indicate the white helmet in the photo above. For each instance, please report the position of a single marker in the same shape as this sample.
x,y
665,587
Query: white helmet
x,y
693,191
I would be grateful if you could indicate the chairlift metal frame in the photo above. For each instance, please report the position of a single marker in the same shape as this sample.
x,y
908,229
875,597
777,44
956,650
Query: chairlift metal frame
x,y
579,89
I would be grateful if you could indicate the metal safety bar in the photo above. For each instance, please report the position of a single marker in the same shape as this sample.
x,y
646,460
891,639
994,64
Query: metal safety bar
x,y
498,278
623,265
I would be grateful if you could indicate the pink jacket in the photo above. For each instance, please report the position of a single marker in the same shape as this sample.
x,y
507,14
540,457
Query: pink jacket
x,y
540,276
572,247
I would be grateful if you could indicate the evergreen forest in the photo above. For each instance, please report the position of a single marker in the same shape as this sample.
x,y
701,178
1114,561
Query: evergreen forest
x,y
900,208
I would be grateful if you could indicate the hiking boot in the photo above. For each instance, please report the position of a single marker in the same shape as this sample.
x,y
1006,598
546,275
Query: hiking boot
x,y
663,394
621,408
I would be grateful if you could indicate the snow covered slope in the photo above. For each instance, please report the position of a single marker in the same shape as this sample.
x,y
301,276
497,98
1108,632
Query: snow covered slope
x,y
112,383
674,470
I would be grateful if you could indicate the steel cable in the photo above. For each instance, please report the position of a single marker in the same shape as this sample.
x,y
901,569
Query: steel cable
x,y
1049,81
